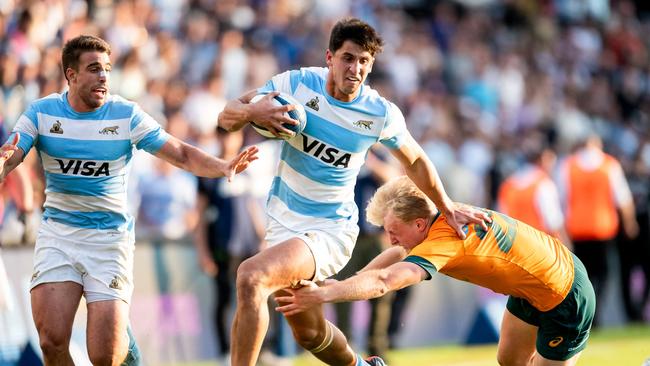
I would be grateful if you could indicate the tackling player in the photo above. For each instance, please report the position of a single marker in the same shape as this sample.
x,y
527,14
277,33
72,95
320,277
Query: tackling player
x,y
551,304
85,138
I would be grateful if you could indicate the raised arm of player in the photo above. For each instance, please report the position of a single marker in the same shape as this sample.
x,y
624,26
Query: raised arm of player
x,y
10,156
421,171
238,112
363,286
202,164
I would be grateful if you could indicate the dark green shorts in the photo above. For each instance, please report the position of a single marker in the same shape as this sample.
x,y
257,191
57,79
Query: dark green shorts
x,y
563,330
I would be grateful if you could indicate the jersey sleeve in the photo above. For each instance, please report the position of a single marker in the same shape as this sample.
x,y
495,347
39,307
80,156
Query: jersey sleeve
x,y
434,253
27,127
394,132
146,133
285,82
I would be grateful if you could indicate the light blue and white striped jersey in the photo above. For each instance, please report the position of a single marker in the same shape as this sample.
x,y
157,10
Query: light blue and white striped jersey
x,y
314,184
86,157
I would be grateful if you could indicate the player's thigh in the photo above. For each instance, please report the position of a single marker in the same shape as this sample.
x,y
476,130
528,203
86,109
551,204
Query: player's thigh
x,y
278,266
330,246
564,330
106,327
54,306
516,341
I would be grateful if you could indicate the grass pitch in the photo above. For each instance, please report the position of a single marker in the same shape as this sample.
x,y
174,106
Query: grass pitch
x,y
628,346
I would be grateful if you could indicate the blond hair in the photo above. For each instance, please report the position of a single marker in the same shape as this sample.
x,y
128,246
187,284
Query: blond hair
x,y
401,196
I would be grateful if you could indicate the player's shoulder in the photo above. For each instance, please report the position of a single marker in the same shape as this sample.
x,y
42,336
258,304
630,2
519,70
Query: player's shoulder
x,y
121,107
375,101
314,71
120,101
53,99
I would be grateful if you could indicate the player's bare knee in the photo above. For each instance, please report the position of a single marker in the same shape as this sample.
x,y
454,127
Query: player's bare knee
x,y
309,338
53,343
314,339
53,350
250,282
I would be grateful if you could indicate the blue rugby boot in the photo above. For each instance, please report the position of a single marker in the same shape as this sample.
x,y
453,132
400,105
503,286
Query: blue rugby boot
x,y
375,361
133,358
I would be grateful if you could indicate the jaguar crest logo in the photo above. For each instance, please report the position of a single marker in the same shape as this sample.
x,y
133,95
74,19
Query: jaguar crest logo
x,y
363,124
116,283
313,103
555,342
56,127
106,130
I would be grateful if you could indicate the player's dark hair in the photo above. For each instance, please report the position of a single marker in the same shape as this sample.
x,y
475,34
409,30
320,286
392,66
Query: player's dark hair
x,y
357,31
73,49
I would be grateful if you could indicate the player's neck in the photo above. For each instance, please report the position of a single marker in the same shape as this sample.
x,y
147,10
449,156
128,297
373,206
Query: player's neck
x,y
77,104
336,93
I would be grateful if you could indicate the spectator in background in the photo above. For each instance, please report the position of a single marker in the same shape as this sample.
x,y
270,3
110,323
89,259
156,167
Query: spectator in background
x,y
530,195
224,236
167,201
634,254
594,191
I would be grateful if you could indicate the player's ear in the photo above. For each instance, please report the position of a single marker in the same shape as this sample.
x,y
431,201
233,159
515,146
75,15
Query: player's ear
x,y
421,224
71,74
328,57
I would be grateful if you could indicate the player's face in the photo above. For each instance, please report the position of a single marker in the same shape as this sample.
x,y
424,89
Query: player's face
x,y
348,68
89,84
405,234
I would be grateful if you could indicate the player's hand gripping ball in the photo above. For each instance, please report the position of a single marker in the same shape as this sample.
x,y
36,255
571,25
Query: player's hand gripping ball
x,y
298,114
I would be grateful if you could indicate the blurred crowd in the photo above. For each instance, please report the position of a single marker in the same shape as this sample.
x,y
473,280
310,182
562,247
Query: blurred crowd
x,y
472,77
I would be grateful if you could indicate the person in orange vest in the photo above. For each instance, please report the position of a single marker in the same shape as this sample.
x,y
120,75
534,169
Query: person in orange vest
x,y
531,196
595,191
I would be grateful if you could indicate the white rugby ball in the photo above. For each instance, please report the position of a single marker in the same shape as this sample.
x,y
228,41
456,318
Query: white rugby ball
x,y
298,114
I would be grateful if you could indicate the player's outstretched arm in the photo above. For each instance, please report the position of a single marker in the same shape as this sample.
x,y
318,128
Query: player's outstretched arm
x,y
386,258
238,112
363,286
202,164
10,156
421,171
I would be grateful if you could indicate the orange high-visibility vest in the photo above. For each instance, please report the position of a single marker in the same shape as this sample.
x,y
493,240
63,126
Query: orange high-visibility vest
x,y
518,201
591,208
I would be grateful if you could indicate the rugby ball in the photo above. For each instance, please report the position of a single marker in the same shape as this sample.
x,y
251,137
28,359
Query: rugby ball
x,y
298,114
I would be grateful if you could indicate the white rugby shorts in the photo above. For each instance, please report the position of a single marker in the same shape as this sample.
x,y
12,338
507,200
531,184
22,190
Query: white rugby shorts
x,y
99,260
331,246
